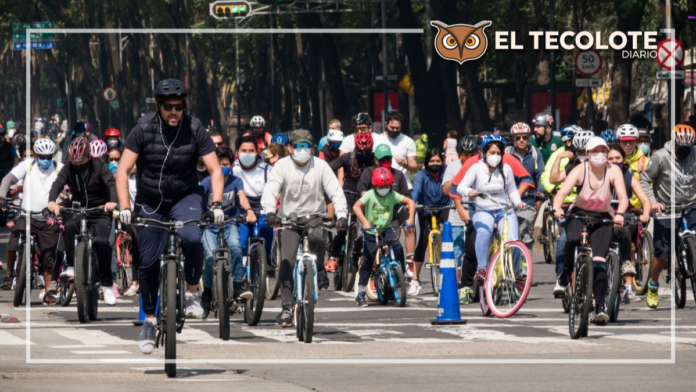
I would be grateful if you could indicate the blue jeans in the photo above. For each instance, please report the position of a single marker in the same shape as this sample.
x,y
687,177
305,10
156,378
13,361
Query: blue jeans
x,y
209,239
483,223
458,239
265,231
560,255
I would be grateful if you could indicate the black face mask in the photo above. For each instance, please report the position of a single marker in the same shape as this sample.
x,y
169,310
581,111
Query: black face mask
x,y
434,168
80,169
393,134
267,160
620,165
683,152
363,156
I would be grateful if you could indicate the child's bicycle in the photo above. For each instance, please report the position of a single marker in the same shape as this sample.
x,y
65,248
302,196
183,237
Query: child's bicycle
x,y
434,246
389,276
509,271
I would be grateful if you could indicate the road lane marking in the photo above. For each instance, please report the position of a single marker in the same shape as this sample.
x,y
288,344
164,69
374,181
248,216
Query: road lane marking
x,y
101,352
198,336
93,337
7,339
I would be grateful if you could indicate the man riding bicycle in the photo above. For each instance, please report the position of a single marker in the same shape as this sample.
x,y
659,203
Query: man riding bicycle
x,y
166,145
544,138
258,131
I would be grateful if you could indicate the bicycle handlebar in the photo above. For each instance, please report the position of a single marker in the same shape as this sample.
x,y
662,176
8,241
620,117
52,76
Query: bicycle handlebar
x,y
590,220
141,221
434,208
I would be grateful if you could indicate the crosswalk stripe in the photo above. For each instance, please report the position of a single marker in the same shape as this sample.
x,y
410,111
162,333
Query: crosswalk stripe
x,y
198,336
287,336
7,339
93,337
102,352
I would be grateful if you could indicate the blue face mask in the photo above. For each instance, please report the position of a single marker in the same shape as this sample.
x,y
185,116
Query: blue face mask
x,y
226,171
645,148
45,163
113,166
335,145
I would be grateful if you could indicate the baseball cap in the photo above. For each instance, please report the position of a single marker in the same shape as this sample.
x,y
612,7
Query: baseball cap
x,y
480,138
595,142
382,151
300,135
643,133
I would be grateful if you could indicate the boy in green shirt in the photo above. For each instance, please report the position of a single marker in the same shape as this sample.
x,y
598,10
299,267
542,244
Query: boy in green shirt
x,y
379,205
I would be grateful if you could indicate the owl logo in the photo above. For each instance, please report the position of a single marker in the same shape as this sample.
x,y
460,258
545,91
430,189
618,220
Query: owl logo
x,y
461,42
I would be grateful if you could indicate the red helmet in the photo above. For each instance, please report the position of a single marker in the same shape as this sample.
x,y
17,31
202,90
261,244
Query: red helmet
x,y
520,128
112,132
382,177
363,141
78,149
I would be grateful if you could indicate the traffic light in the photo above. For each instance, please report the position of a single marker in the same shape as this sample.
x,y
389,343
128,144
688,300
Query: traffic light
x,y
275,2
230,9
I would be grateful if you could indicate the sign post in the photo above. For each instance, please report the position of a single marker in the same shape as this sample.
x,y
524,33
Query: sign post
x,y
588,63
109,94
38,40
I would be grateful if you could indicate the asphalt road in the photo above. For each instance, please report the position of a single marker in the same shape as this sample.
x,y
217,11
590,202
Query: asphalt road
x,y
377,342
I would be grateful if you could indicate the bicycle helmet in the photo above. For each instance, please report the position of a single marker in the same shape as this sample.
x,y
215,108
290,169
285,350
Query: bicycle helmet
x,y
112,132
627,132
382,177
492,139
507,138
77,149
683,135
542,119
520,128
468,143
362,119
608,135
280,138
44,147
334,136
363,141
568,132
257,122
88,128
580,140
97,148
170,89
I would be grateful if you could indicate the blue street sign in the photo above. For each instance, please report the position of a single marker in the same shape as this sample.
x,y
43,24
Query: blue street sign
x,y
34,45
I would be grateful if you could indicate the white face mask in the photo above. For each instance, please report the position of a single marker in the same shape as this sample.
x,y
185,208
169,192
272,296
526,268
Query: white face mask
x,y
301,155
383,192
493,160
247,159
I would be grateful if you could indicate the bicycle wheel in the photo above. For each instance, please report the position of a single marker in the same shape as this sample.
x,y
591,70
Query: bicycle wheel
x,y
308,302
643,263
502,292
93,296
67,290
222,296
382,286
581,297
691,254
21,270
613,298
483,303
82,291
566,300
435,276
552,239
399,288
169,312
272,281
679,289
350,268
253,308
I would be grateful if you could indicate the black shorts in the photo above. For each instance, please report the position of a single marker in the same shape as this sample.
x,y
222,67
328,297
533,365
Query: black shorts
x,y
662,235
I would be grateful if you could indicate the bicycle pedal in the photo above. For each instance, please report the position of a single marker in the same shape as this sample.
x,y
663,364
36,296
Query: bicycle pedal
x,y
559,296
428,266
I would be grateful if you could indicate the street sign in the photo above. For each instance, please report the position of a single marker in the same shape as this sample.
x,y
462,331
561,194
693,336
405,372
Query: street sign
x,y
34,25
34,36
670,54
109,94
390,78
149,100
588,62
78,103
593,82
667,75
114,104
34,45
230,9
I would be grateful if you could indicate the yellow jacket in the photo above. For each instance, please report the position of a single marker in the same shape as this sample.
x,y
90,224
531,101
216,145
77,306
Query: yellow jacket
x,y
550,188
637,162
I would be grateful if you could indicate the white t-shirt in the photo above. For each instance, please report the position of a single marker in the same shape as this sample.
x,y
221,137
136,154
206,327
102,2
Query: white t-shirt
x,y
348,144
478,177
254,180
450,173
38,182
132,187
401,147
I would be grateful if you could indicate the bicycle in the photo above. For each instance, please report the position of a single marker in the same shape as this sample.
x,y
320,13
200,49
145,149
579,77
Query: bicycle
x,y
122,248
644,253
273,270
506,286
24,247
256,275
66,287
389,276
434,246
549,233
305,292
171,315
685,255
581,296
346,272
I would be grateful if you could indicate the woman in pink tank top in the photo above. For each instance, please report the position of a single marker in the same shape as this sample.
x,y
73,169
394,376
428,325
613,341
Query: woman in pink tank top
x,y
596,179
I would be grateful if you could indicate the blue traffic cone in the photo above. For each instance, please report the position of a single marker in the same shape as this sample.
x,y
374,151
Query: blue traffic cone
x,y
448,302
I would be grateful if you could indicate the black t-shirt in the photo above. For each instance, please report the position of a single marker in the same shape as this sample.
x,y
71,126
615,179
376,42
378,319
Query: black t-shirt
x,y
352,169
400,185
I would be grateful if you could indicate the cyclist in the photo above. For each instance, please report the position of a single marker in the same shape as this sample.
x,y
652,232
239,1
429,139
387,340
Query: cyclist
x,y
217,139
460,219
274,153
402,147
544,138
280,138
627,135
78,131
113,138
92,185
301,181
166,145
350,168
233,198
427,191
334,125
37,175
97,149
644,142
659,173
609,136
8,160
331,149
595,177
379,204
362,123
263,138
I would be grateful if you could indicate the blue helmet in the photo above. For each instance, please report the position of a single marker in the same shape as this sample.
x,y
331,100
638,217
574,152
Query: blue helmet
x,y
569,131
491,139
280,138
608,135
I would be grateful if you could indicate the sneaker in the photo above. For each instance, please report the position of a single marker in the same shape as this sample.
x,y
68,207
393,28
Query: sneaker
x,y
414,288
53,288
205,304
116,293
601,319
465,296
109,296
41,295
361,299
628,268
631,295
558,289
193,306
68,273
322,280
242,292
49,299
652,299
331,265
285,318
409,267
7,282
131,292
40,283
480,276
146,340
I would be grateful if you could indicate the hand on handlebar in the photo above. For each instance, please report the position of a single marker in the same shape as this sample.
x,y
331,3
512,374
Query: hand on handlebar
x,y
522,206
559,214
473,193
658,208
251,216
273,220
54,208
110,206
618,220
645,217
126,216
341,224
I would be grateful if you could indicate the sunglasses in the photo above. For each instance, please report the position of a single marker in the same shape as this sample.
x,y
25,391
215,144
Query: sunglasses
x,y
302,145
521,137
220,144
114,159
45,156
168,107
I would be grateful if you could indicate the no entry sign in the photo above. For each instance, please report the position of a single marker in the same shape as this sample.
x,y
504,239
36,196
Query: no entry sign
x,y
588,62
109,94
670,54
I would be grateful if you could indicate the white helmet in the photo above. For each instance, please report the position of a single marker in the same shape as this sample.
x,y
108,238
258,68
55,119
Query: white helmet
x,y
44,147
580,139
335,135
257,121
627,131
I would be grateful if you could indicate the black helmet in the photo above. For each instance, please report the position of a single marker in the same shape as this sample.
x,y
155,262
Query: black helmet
x,y
542,119
468,143
170,89
362,119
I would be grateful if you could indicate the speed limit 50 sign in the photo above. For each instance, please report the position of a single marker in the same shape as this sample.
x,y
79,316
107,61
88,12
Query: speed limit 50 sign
x,y
588,62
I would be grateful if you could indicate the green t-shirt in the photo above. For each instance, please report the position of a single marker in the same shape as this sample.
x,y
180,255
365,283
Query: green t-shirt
x,y
378,209
548,147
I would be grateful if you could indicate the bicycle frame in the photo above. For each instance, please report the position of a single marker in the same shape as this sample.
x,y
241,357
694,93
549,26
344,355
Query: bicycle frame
x,y
174,256
386,262
303,255
253,241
